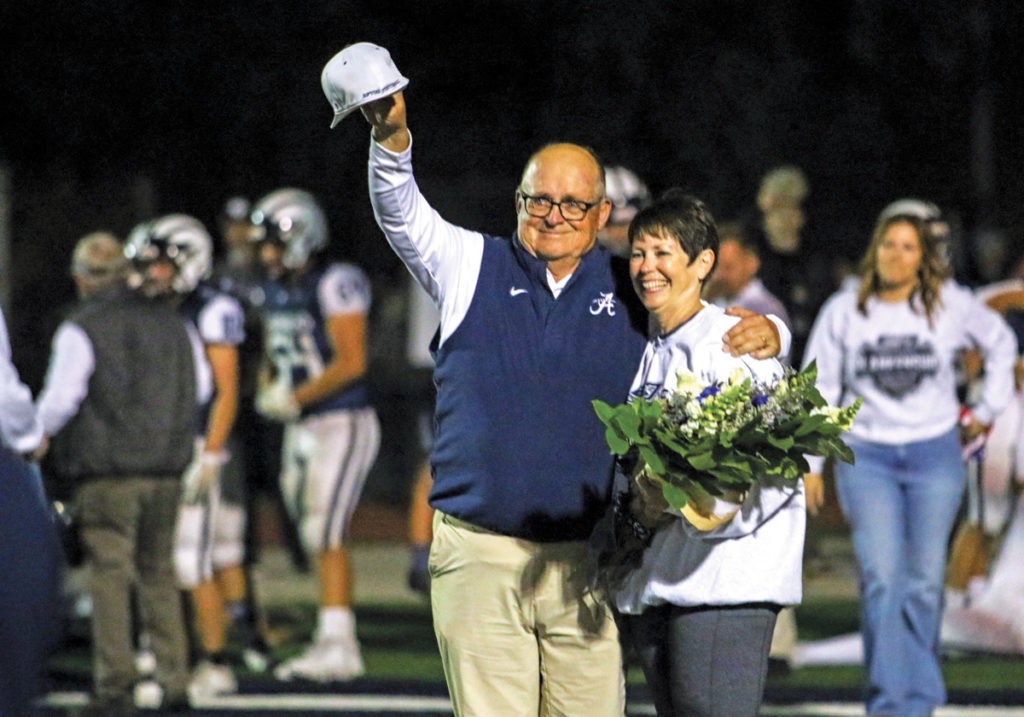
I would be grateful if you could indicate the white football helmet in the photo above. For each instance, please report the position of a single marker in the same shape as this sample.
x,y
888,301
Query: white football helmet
x,y
294,218
627,193
179,237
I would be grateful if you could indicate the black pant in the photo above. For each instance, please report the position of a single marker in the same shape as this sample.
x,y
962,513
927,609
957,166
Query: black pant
x,y
708,661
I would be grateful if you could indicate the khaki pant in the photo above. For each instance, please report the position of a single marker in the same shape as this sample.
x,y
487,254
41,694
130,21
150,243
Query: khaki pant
x,y
518,635
128,528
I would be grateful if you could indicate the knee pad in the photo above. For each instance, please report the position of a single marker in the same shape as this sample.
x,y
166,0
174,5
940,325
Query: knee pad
x,y
191,566
311,531
229,537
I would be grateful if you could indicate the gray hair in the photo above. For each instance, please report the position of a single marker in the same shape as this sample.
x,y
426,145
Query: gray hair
x,y
99,259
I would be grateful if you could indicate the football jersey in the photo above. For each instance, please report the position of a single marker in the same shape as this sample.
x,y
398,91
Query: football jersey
x,y
295,327
216,318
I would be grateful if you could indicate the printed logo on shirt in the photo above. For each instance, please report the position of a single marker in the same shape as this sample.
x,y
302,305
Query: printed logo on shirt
x,y
516,292
604,302
897,364
649,391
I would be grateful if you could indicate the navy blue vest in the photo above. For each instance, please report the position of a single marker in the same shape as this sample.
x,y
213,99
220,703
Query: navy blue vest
x,y
519,449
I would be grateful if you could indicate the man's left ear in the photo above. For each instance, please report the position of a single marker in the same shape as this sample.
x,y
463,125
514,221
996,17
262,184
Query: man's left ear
x,y
604,212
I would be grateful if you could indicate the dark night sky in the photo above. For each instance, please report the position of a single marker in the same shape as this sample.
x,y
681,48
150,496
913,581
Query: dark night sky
x,y
873,98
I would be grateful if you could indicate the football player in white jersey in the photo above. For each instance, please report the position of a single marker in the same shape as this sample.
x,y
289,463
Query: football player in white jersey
x,y
315,323
173,254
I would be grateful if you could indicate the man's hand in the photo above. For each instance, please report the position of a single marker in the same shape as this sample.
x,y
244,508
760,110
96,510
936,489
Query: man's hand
x,y
755,334
388,122
814,492
40,451
649,504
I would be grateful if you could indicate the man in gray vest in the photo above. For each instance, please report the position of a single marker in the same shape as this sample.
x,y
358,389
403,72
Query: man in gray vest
x,y
119,403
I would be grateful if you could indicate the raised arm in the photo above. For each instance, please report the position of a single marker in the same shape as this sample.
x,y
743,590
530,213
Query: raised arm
x,y
444,258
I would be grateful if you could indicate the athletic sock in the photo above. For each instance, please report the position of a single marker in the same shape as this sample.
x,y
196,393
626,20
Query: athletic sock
x,y
336,623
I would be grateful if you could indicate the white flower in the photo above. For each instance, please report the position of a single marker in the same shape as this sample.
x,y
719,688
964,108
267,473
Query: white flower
x,y
687,382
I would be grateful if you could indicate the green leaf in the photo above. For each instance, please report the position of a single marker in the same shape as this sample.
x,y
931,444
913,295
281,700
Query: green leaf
x,y
702,461
784,443
616,441
674,495
603,410
811,424
653,460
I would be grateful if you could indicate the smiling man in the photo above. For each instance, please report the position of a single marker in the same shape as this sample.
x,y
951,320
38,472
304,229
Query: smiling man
x,y
532,329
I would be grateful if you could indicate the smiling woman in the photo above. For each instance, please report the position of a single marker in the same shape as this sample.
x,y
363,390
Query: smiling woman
x,y
700,596
893,343
667,271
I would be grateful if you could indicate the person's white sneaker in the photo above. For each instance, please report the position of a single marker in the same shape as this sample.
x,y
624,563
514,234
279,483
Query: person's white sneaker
x,y
148,695
323,661
145,660
210,679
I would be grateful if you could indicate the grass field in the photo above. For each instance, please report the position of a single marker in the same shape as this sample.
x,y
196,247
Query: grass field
x,y
400,653
398,644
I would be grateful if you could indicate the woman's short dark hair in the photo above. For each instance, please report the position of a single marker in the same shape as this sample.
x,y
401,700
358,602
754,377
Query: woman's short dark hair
x,y
681,216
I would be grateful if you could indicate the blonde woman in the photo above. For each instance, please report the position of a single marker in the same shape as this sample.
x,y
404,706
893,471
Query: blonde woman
x,y
892,342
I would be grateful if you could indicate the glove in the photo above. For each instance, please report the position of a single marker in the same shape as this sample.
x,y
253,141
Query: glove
x,y
201,475
277,403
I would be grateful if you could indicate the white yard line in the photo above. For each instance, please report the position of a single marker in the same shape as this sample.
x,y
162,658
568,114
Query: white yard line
x,y
441,705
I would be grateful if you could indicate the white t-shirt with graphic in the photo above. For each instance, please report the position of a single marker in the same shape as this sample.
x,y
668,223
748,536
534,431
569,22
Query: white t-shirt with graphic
x,y
904,368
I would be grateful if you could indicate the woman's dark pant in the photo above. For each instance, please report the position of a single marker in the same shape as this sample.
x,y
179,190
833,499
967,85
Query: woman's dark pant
x,y
708,661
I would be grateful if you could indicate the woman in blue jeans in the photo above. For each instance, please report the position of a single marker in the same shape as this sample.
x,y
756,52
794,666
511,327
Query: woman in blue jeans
x,y
893,341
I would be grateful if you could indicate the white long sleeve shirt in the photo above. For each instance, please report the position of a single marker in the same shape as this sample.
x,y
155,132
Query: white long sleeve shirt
x,y
755,557
20,427
903,368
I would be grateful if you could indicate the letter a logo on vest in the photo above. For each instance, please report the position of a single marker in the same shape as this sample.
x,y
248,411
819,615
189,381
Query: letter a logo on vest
x,y
604,302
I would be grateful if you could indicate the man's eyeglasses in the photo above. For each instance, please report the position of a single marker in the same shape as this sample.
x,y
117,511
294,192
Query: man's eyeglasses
x,y
571,209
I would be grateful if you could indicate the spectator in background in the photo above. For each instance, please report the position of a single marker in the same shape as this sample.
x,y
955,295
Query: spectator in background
x,y
628,195
795,267
119,402
735,281
30,558
315,383
893,342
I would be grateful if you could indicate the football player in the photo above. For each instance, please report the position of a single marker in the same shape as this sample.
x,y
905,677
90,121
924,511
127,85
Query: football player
x,y
315,325
173,255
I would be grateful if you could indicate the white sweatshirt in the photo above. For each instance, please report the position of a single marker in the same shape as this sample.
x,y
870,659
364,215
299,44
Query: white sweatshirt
x,y
757,556
20,429
903,368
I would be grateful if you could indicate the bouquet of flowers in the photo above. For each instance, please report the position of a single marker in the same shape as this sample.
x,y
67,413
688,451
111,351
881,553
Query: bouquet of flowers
x,y
723,438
